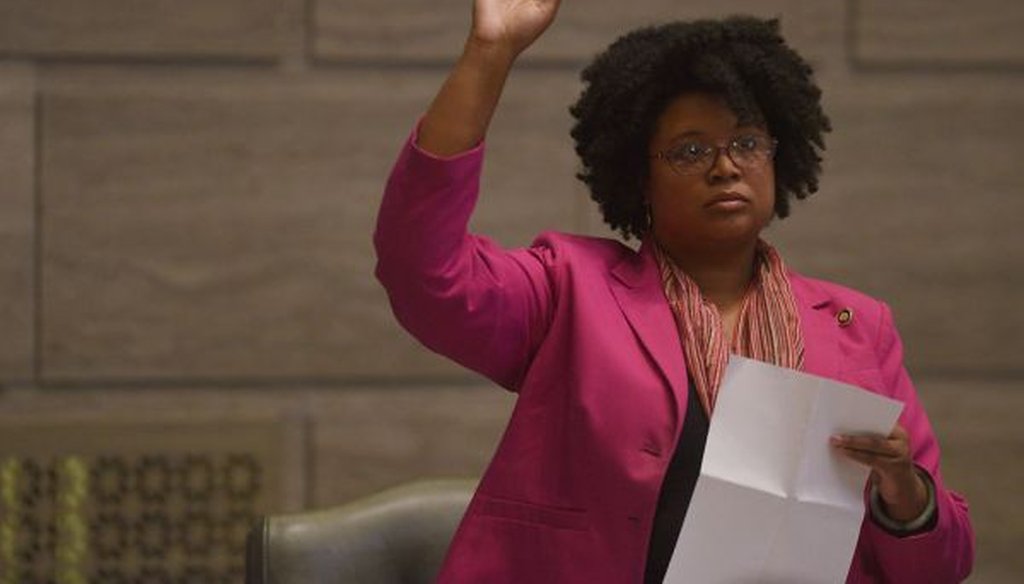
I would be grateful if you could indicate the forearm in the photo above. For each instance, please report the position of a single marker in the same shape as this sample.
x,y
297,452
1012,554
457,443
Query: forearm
x,y
458,118
908,501
461,295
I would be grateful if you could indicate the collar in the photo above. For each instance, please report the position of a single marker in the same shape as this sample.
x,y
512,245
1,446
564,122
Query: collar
x,y
636,285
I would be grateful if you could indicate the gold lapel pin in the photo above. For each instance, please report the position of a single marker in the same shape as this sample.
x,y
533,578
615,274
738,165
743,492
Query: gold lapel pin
x,y
845,317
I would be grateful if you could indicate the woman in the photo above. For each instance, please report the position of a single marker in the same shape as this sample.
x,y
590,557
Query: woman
x,y
692,137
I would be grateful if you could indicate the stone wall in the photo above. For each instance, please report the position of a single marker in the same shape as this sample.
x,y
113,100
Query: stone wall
x,y
189,190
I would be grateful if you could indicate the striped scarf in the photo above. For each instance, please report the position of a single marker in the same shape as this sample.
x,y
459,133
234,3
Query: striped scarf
x,y
767,329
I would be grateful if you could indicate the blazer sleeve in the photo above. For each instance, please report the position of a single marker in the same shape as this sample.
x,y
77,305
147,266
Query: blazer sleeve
x,y
944,553
461,295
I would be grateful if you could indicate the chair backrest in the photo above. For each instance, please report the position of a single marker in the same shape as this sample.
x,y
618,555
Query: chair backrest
x,y
398,536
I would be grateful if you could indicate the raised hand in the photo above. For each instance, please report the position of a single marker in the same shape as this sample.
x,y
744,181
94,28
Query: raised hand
x,y
502,29
512,25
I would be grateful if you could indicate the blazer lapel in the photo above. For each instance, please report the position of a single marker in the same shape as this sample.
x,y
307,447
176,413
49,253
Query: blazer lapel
x,y
821,339
636,286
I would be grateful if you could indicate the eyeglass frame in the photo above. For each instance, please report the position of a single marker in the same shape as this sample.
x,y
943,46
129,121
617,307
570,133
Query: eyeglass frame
x,y
718,151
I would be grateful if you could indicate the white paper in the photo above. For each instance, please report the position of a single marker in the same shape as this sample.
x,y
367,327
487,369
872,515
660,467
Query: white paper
x,y
774,503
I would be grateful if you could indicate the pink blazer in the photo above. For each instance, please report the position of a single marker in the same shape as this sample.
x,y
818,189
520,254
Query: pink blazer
x,y
580,328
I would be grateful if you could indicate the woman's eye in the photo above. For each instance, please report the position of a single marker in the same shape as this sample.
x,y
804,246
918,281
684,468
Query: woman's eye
x,y
690,152
747,143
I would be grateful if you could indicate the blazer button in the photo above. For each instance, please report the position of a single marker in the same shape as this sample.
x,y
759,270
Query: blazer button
x,y
845,317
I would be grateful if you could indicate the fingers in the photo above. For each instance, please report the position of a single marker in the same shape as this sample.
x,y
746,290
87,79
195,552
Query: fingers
x,y
881,453
874,460
897,441
869,445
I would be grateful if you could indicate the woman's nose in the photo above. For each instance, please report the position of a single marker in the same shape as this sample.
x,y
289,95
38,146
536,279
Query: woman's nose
x,y
722,167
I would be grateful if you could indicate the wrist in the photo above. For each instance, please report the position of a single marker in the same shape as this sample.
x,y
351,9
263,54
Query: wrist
x,y
906,497
907,514
494,54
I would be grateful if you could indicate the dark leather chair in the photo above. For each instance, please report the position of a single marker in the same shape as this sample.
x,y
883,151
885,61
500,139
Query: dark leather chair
x,y
398,536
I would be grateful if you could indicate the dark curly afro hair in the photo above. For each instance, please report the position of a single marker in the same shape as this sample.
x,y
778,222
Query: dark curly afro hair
x,y
743,60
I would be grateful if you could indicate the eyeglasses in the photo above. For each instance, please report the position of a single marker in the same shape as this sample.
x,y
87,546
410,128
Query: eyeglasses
x,y
747,151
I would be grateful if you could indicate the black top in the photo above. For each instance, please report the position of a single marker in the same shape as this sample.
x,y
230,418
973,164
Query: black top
x,y
677,489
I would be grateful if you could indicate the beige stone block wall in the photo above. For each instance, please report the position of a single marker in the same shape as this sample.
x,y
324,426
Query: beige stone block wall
x,y
981,439
17,222
133,29
189,191
230,212
918,206
365,440
941,33
434,31
215,207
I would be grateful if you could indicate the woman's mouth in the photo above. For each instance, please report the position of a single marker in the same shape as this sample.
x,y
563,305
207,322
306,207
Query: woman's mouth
x,y
728,201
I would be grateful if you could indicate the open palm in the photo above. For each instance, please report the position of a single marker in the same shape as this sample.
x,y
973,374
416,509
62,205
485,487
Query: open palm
x,y
512,24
